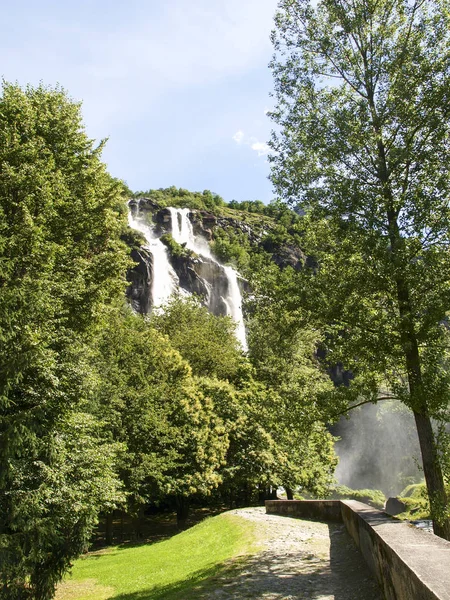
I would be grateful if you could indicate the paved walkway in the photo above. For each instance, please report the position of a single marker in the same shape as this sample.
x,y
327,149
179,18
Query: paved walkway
x,y
301,560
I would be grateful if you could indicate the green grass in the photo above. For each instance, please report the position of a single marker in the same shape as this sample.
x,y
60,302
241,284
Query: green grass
x,y
415,498
375,498
243,215
167,570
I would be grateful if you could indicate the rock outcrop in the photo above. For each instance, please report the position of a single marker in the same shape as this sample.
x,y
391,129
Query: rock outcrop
x,y
394,506
198,274
140,278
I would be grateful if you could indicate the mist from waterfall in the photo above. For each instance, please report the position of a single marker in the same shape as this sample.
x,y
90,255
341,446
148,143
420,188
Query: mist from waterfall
x,y
165,279
183,233
379,448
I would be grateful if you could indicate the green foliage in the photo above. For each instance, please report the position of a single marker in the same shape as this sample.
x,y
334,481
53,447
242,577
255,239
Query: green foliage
x,y
64,494
415,497
231,246
253,238
282,351
362,136
416,509
61,261
255,456
205,341
276,209
175,249
414,490
181,198
132,238
175,442
252,206
252,458
375,498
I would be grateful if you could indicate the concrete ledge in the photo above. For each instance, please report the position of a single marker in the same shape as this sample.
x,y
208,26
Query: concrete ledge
x,y
320,510
408,563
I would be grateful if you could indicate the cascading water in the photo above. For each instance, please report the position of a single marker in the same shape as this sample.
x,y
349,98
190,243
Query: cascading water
x,y
183,233
234,304
165,279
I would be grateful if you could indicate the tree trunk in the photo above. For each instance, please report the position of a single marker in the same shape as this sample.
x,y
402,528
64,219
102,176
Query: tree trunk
x,y
122,525
247,495
272,493
182,504
261,494
289,493
109,529
138,521
418,403
430,457
433,476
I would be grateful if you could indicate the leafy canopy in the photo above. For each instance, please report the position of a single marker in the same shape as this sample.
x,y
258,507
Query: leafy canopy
x,y
361,148
61,262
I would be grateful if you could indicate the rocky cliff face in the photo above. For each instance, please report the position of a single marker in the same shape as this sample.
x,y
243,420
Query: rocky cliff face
x,y
140,278
205,278
199,274
196,274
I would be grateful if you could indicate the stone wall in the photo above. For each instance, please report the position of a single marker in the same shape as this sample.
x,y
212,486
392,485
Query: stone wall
x,y
409,563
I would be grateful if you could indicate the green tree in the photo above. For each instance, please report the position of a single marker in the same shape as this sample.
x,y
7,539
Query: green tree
x,y
362,148
252,459
282,348
225,377
175,440
61,261
207,342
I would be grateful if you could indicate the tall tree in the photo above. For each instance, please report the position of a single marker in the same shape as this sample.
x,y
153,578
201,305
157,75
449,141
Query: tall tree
x,y
175,440
61,261
362,148
207,342
283,351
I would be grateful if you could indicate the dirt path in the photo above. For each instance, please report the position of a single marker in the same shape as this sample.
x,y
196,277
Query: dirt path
x,y
301,560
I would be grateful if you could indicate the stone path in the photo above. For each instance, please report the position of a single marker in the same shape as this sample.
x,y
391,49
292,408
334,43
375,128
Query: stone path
x,y
301,560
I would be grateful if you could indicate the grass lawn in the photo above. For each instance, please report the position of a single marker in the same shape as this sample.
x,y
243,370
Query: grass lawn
x,y
167,570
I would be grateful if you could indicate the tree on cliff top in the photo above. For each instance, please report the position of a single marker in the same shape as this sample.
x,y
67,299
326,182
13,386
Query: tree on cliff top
x,y
362,148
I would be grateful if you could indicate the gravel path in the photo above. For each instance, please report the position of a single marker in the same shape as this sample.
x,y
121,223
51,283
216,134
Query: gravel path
x,y
301,559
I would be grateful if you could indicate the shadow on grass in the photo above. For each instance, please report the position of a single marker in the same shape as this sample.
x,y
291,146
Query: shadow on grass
x,y
344,577
200,582
153,528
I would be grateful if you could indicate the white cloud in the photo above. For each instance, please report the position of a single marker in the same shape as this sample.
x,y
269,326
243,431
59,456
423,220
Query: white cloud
x,y
238,137
261,148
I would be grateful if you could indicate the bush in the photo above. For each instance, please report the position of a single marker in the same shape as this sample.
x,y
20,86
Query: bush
x,y
415,490
174,248
375,498
132,238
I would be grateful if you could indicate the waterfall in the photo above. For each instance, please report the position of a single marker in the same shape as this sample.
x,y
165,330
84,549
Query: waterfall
x,y
183,233
234,304
165,279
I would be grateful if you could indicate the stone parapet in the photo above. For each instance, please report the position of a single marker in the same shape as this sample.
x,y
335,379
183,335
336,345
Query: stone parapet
x,y
409,564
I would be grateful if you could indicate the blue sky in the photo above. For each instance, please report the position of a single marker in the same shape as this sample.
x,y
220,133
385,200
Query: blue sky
x,y
180,87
